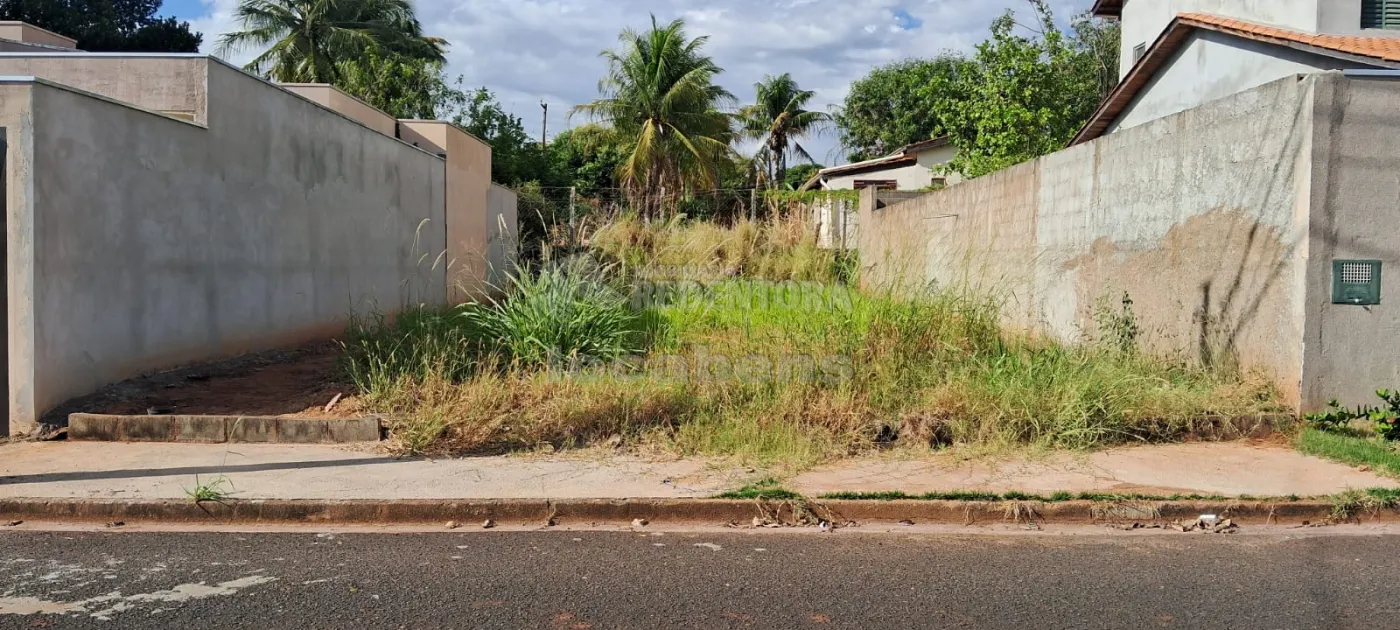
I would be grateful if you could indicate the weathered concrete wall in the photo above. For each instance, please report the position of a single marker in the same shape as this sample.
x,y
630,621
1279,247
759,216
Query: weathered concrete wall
x,y
468,218
148,242
837,221
172,84
503,236
1350,351
1201,217
1213,65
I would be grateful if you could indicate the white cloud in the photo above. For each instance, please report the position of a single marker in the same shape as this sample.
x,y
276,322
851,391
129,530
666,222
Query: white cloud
x,y
527,51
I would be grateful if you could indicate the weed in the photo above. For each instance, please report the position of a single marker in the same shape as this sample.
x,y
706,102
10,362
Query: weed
x,y
765,370
211,491
1385,419
1351,505
1118,327
990,497
1355,450
767,489
558,315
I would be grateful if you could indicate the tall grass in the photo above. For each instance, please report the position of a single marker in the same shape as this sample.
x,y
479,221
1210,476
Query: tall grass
x,y
559,314
773,372
778,249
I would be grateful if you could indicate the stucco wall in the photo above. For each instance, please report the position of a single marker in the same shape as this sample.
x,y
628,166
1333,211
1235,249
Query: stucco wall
x,y
336,100
30,34
1144,20
914,177
1199,216
468,186
1351,350
148,242
1213,65
503,236
166,83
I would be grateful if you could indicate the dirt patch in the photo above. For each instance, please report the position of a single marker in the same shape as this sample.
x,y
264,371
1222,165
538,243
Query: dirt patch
x,y
297,382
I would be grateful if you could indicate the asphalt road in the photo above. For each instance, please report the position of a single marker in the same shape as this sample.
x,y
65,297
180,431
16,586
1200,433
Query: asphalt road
x,y
572,580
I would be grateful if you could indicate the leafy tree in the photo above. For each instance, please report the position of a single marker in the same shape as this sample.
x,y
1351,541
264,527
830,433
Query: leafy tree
x,y
897,105
778,119
798,175
1098,42
1025,96
311,40
586,158
400,86
515,157
659,96
106,25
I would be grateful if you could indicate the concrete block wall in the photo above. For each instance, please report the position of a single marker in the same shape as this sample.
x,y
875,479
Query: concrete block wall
x,y
1201,217
136,241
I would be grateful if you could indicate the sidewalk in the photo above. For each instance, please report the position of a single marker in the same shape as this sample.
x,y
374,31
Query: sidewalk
x,y
91,470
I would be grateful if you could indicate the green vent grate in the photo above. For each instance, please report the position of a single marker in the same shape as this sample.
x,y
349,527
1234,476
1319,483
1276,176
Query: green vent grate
x,y
1356,282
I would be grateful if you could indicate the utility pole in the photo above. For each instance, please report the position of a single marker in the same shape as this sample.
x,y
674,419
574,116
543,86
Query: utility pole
x,y
544,126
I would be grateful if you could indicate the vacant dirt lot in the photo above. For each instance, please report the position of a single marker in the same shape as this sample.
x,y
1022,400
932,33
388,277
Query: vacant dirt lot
x,y
298,382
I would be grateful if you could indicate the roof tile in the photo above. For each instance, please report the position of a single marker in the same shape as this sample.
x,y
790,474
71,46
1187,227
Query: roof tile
x,y
1384,50
1387,48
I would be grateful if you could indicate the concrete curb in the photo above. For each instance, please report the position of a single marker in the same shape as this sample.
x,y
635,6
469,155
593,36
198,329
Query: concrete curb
x,y
623,511
221,429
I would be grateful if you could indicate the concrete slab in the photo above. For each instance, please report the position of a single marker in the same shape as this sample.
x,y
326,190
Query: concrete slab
x,y
276,471
1225,469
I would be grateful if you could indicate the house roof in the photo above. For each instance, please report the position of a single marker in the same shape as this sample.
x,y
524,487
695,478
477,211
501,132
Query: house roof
x,y
906,155
1108,8
1378,51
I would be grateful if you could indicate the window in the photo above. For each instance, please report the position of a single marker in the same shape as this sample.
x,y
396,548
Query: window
x,y
1380,14
1139,51
878,184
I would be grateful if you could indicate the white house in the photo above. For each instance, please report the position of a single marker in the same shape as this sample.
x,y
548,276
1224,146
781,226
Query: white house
x,y
915,167
1178,54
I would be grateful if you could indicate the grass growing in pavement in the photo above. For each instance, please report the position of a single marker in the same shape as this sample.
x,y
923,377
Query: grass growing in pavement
x,y
210,491
765,489
1058,497
1356,450
1351,505
789,374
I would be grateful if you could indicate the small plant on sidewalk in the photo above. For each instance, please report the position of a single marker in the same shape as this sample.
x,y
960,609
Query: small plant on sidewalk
x,y
1385,418
212,491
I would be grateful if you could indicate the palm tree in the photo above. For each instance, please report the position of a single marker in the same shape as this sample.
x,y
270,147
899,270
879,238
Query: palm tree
x,y
778,119
308,40
659,95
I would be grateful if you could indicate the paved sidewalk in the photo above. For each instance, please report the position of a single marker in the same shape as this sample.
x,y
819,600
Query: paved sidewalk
x,y
1226,469
164,471
110,470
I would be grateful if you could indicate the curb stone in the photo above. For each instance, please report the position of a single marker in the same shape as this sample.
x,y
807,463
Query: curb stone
x,y
625,511
221,429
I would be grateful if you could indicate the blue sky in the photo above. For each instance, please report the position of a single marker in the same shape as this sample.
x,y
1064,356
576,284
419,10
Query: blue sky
x,y
527,51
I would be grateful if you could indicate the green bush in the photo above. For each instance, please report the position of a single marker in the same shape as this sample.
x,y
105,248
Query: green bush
x,y
556,315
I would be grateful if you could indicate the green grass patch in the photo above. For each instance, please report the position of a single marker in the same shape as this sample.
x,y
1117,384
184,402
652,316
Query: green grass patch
x,y
1057,497
761,357
1352,449
1351,505
768,489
